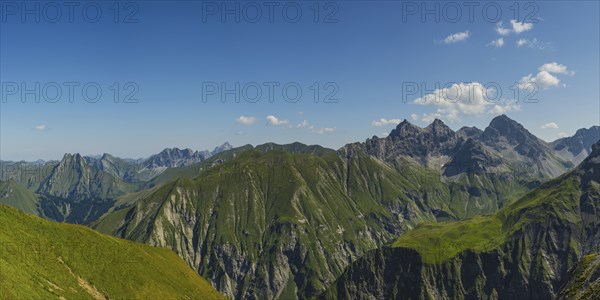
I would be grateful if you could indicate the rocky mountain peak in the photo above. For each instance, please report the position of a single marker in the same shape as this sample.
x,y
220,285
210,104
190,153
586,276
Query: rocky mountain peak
x,y
72,159
405,129
504,133
107,157
469,132
226,146
71,156
581,141
441,132
437,122
505,125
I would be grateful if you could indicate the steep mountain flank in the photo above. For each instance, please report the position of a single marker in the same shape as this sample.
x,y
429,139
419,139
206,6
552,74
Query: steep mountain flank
x,y
584,280
524,251
77,192
274,224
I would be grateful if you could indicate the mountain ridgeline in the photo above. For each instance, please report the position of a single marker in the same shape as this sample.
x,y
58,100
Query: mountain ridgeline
x,y
523,251
284,221
297,221
80,189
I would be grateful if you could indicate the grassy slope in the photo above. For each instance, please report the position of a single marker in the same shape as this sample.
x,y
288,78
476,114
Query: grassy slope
x,y
45,260
18,196
442,241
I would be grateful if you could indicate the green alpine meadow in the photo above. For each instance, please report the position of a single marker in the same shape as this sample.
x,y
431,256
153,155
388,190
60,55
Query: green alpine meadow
x,y
43,259
299,150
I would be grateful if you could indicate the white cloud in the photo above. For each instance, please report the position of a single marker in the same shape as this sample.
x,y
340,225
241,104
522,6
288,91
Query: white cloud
x,y
550,125
542,80
383,122
456,37
516,27
40,127
323,130
414,117
501,30
497,43
545,78
463,99
384,134
519,27
303,124
533,43
275,121
562,134
244,120
556,68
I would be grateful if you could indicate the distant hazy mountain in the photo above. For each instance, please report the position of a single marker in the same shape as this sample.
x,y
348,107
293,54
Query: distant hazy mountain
x,y
175,158
226,146
80,189
18,196
79,192
577,147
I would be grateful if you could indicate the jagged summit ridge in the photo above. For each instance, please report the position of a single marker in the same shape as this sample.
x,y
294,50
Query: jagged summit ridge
x,y
503,145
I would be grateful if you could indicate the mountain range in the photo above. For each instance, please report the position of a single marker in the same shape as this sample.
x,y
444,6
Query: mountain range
x,y
523,251
422,213
79,189
279,217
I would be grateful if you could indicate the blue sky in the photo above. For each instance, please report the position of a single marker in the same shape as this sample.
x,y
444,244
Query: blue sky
x,y
363,53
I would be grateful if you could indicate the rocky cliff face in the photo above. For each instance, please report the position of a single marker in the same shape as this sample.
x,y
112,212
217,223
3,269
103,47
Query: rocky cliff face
x,y
408,140
504,133
583,280
471,157
77,192
504,146
276,225
174,157
531,266
469,132
527,256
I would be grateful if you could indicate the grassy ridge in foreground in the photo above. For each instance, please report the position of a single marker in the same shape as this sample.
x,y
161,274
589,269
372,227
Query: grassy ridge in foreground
x,y
41,259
